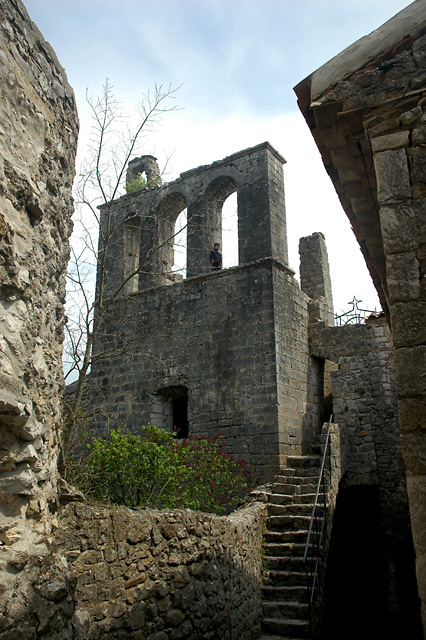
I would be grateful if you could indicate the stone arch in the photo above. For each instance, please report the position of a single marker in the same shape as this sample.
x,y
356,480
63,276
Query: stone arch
x,y
205,222
131,253
167,213
216,194
230,243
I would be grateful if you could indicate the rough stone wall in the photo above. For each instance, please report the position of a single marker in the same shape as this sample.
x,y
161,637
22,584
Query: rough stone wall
x,y
299,376
365,407
227,360
364,396
366,109
38,136
400,166
161,575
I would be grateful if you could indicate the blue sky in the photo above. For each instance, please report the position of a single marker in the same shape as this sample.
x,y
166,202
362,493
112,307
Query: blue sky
x,y
237,62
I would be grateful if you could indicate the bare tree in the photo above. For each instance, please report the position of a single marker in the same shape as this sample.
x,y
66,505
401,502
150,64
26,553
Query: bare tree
x,y
113,144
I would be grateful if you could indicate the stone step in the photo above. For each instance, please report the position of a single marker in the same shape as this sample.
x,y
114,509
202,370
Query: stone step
x,y
286,609
294,489
285,563
284,549
299,472
275,577
282,498
279,537
289,628
309,498
263,637
268,637
297,498
290,509
285,593
287,477
288,523
305,462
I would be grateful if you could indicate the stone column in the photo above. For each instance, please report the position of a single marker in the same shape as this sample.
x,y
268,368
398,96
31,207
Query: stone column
x,y
262,230
315,277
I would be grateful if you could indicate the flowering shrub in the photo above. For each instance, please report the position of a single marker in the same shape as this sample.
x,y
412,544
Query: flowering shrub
x,y
156,470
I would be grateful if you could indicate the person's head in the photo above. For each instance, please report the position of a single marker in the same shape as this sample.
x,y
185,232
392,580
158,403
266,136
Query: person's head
x,y
216,246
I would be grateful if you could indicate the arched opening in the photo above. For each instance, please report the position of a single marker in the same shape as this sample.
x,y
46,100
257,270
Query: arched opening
x,y
221,212
131,244
230,231
180,244
171,237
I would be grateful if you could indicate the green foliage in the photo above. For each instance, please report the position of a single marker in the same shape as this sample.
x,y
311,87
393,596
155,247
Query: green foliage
x,y
159,471
138,183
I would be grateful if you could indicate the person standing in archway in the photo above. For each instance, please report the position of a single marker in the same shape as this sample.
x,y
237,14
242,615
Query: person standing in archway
x,y
216,257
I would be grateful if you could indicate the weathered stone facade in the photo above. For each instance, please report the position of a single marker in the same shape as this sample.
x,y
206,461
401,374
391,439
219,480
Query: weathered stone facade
x,y
366,110
367,454
233,343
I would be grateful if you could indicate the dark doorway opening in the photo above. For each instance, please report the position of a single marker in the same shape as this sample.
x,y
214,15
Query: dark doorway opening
x,y
180,416
354,604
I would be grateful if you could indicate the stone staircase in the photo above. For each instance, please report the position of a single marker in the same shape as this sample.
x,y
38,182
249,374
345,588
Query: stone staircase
x,y
284,592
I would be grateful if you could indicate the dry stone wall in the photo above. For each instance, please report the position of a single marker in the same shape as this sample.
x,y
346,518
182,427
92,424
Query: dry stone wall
x,y
161,575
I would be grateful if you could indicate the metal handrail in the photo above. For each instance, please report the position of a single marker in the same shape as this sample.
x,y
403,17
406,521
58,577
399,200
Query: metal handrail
x,y
311,577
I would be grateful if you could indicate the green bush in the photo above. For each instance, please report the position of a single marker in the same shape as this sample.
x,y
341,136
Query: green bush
x,y
156,470
138,183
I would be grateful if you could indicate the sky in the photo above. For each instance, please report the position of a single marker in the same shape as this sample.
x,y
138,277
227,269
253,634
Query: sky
x,y
236,63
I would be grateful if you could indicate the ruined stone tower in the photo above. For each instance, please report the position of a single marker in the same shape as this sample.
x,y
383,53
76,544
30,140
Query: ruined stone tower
x,y
222,351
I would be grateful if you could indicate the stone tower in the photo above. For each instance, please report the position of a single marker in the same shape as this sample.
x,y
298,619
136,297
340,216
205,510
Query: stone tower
x,y
223,351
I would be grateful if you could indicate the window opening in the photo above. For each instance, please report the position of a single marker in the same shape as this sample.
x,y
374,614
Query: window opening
x,y
131,242
180,416
171,237
180,244
169,409
230,231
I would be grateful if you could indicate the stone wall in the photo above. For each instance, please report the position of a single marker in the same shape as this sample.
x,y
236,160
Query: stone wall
x,y
221,340
38,137
368,450
364,397
160,575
